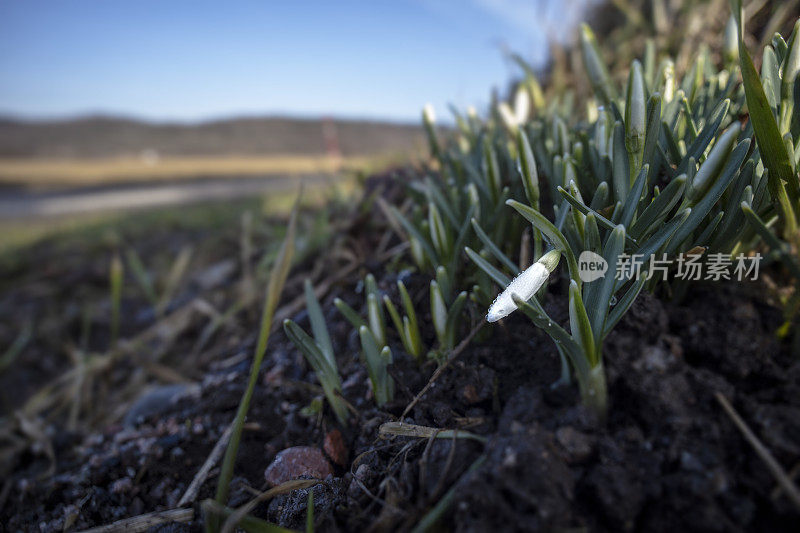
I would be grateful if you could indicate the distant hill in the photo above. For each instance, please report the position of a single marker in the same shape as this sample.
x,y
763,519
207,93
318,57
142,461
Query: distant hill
x,y
102,136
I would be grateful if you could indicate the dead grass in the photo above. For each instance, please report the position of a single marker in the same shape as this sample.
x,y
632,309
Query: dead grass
x,y
73,172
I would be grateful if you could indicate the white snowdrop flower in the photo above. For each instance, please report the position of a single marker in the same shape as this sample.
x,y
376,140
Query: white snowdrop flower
x,y
472,112
429,113
731,47
592,111
601,135
670,85
525,285
464,144
507,115
514,118
522,105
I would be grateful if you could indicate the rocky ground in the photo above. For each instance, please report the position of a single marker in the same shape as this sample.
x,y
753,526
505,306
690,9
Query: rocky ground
x,y
667,458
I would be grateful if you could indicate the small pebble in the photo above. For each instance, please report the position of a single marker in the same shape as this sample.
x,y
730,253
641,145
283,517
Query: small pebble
x,y
122,486
577,445
296,462
335,447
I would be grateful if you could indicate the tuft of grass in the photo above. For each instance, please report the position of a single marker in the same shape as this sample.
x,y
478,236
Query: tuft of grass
x,y
407,325
277,279
318,351
377,361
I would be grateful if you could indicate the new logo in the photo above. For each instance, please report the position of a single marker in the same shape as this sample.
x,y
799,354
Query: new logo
x,y
591,266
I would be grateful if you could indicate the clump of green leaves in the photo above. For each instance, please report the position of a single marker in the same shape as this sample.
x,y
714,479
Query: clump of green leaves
x,y
407,325
445,313
318,351
445,320
375,353
377,361
774,104
376,320
644,222
658,173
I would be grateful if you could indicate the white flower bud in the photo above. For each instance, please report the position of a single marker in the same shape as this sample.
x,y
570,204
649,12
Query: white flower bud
x,y
507,115
525,285
429,114
731,41
522,105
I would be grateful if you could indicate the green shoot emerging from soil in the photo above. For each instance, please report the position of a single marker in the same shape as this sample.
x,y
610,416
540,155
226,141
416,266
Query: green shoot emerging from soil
x,y
277,279
318,351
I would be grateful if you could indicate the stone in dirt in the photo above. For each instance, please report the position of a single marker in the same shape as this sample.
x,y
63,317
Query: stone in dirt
x,y
297,462
335,447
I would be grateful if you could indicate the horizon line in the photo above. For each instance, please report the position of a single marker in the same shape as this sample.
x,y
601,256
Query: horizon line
x,y
40,118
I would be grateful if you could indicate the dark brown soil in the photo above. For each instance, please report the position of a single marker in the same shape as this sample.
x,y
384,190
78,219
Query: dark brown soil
x,y
667,459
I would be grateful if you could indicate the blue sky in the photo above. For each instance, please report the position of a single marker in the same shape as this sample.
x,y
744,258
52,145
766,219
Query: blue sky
x,y
196,60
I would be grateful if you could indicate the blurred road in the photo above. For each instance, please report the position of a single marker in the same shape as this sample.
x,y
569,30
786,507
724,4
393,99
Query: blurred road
x,y
21,204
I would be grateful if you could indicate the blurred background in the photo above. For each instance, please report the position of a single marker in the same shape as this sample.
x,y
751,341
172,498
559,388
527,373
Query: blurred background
x,y
118,105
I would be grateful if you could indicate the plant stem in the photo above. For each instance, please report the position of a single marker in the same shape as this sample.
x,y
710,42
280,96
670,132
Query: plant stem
x,y
594,392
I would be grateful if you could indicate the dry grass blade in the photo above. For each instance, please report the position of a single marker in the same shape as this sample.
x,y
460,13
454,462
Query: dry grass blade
x,y
36,432
145,521
162,334
235,517
399,429
772,464
277,279
194,487
775,494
